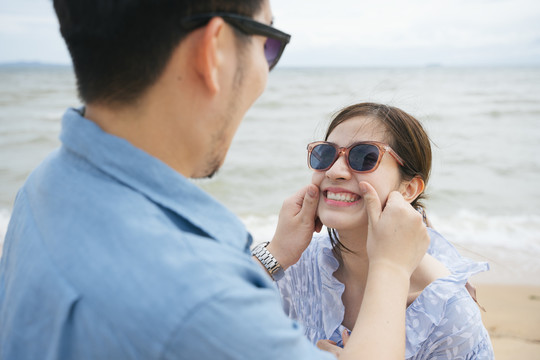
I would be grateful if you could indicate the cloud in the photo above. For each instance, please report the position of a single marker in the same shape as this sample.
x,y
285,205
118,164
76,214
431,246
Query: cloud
x,y
392,32
30,37
425,27
29,32
19,24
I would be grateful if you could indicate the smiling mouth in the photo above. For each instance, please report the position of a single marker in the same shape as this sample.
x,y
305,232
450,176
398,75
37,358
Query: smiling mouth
x,y
342,197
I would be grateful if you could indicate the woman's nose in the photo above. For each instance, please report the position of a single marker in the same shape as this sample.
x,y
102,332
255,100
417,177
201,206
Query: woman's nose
x,y
339,169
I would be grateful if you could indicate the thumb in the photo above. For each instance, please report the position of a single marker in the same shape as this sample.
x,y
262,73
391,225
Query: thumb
x,y
345,335
310,203
371,201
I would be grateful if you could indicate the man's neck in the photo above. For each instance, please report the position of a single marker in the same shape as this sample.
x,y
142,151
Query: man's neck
x,y
146,129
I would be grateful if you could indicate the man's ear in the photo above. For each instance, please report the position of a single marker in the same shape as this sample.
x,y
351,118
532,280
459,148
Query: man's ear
x,y
412,189
208,54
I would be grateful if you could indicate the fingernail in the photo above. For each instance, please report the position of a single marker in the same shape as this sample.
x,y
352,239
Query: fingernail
x,y
311,191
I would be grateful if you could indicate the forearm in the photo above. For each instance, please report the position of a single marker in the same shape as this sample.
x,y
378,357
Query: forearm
x,y
379,332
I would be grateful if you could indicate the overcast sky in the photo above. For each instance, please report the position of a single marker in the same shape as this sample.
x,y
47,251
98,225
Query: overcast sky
x,y
341,32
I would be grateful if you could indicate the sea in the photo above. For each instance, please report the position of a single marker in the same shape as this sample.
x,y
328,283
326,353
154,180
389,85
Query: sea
x,y
484,123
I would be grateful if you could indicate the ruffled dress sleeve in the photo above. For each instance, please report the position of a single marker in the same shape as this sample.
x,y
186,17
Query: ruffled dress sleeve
x,y
444,322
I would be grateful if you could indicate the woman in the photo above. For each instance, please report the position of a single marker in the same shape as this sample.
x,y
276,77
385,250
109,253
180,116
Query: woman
x,y
388,149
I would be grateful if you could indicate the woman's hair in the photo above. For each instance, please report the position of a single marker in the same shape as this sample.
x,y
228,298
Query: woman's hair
x,y
405,135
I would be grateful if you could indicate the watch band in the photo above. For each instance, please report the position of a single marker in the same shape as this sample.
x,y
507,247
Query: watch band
x,y
268,260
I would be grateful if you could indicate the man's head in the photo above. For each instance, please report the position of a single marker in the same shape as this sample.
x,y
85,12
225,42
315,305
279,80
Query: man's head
x,y
119,48
174,78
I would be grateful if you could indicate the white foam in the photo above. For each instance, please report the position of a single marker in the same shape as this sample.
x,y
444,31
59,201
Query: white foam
x,y
510,244
520,232
4,220
262,228
465,228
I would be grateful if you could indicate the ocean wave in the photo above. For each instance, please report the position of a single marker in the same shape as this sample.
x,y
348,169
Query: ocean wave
x,y
512,232
511,244
262,228
4,220
466,228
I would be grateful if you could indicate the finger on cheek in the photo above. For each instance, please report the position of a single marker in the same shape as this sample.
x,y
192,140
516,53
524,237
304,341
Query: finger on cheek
x,y
312,192
300,196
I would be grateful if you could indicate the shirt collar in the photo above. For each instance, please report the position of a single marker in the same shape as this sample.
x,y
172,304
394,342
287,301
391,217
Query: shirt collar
x,y
150,176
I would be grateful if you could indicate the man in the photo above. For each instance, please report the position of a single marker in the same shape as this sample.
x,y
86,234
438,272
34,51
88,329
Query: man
x,y
112,253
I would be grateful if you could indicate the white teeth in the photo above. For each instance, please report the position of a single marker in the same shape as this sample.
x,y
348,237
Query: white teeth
x,y
345,197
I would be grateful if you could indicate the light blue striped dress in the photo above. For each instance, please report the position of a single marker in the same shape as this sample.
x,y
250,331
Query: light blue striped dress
x,y
444,322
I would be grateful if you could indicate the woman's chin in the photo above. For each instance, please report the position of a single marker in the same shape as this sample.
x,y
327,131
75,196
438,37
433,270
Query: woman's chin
x,y
343,222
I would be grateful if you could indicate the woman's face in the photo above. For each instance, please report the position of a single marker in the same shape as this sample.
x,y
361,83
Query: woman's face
x,y
340,205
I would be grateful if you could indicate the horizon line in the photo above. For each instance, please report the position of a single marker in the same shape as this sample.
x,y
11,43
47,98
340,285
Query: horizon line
x,y
25,63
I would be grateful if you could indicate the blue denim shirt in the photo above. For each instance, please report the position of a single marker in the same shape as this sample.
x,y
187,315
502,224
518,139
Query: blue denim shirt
x,y
111,254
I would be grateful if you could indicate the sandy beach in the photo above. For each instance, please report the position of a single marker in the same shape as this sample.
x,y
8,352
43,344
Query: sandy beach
x,y
512,318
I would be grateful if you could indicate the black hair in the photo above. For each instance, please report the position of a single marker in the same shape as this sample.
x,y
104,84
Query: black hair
x,y
119,48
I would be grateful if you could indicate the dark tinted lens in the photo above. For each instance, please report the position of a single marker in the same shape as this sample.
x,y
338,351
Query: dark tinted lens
x,y
363,157
322,156
272,47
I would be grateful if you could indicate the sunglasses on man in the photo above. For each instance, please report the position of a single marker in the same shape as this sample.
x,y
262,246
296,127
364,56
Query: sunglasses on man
x,y
276,40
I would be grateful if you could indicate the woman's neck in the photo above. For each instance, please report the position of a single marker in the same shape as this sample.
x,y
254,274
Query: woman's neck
x,y
354,264
352,272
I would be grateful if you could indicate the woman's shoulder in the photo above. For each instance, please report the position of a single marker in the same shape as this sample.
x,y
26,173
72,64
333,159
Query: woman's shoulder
x,y
449,285
442,250
445,309
441,320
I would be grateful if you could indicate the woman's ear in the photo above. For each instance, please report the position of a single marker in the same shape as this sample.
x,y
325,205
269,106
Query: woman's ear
x,y
412,189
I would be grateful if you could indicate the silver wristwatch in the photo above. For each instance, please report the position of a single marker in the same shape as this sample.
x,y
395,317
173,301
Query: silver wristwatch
x,y
268,260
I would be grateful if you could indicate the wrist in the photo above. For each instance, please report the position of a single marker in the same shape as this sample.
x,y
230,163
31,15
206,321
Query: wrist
x,y
387,268
283,257
268,261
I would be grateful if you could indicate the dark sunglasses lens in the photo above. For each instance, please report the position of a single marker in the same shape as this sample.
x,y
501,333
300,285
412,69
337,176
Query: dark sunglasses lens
x,y
322,156
272,49
363,157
